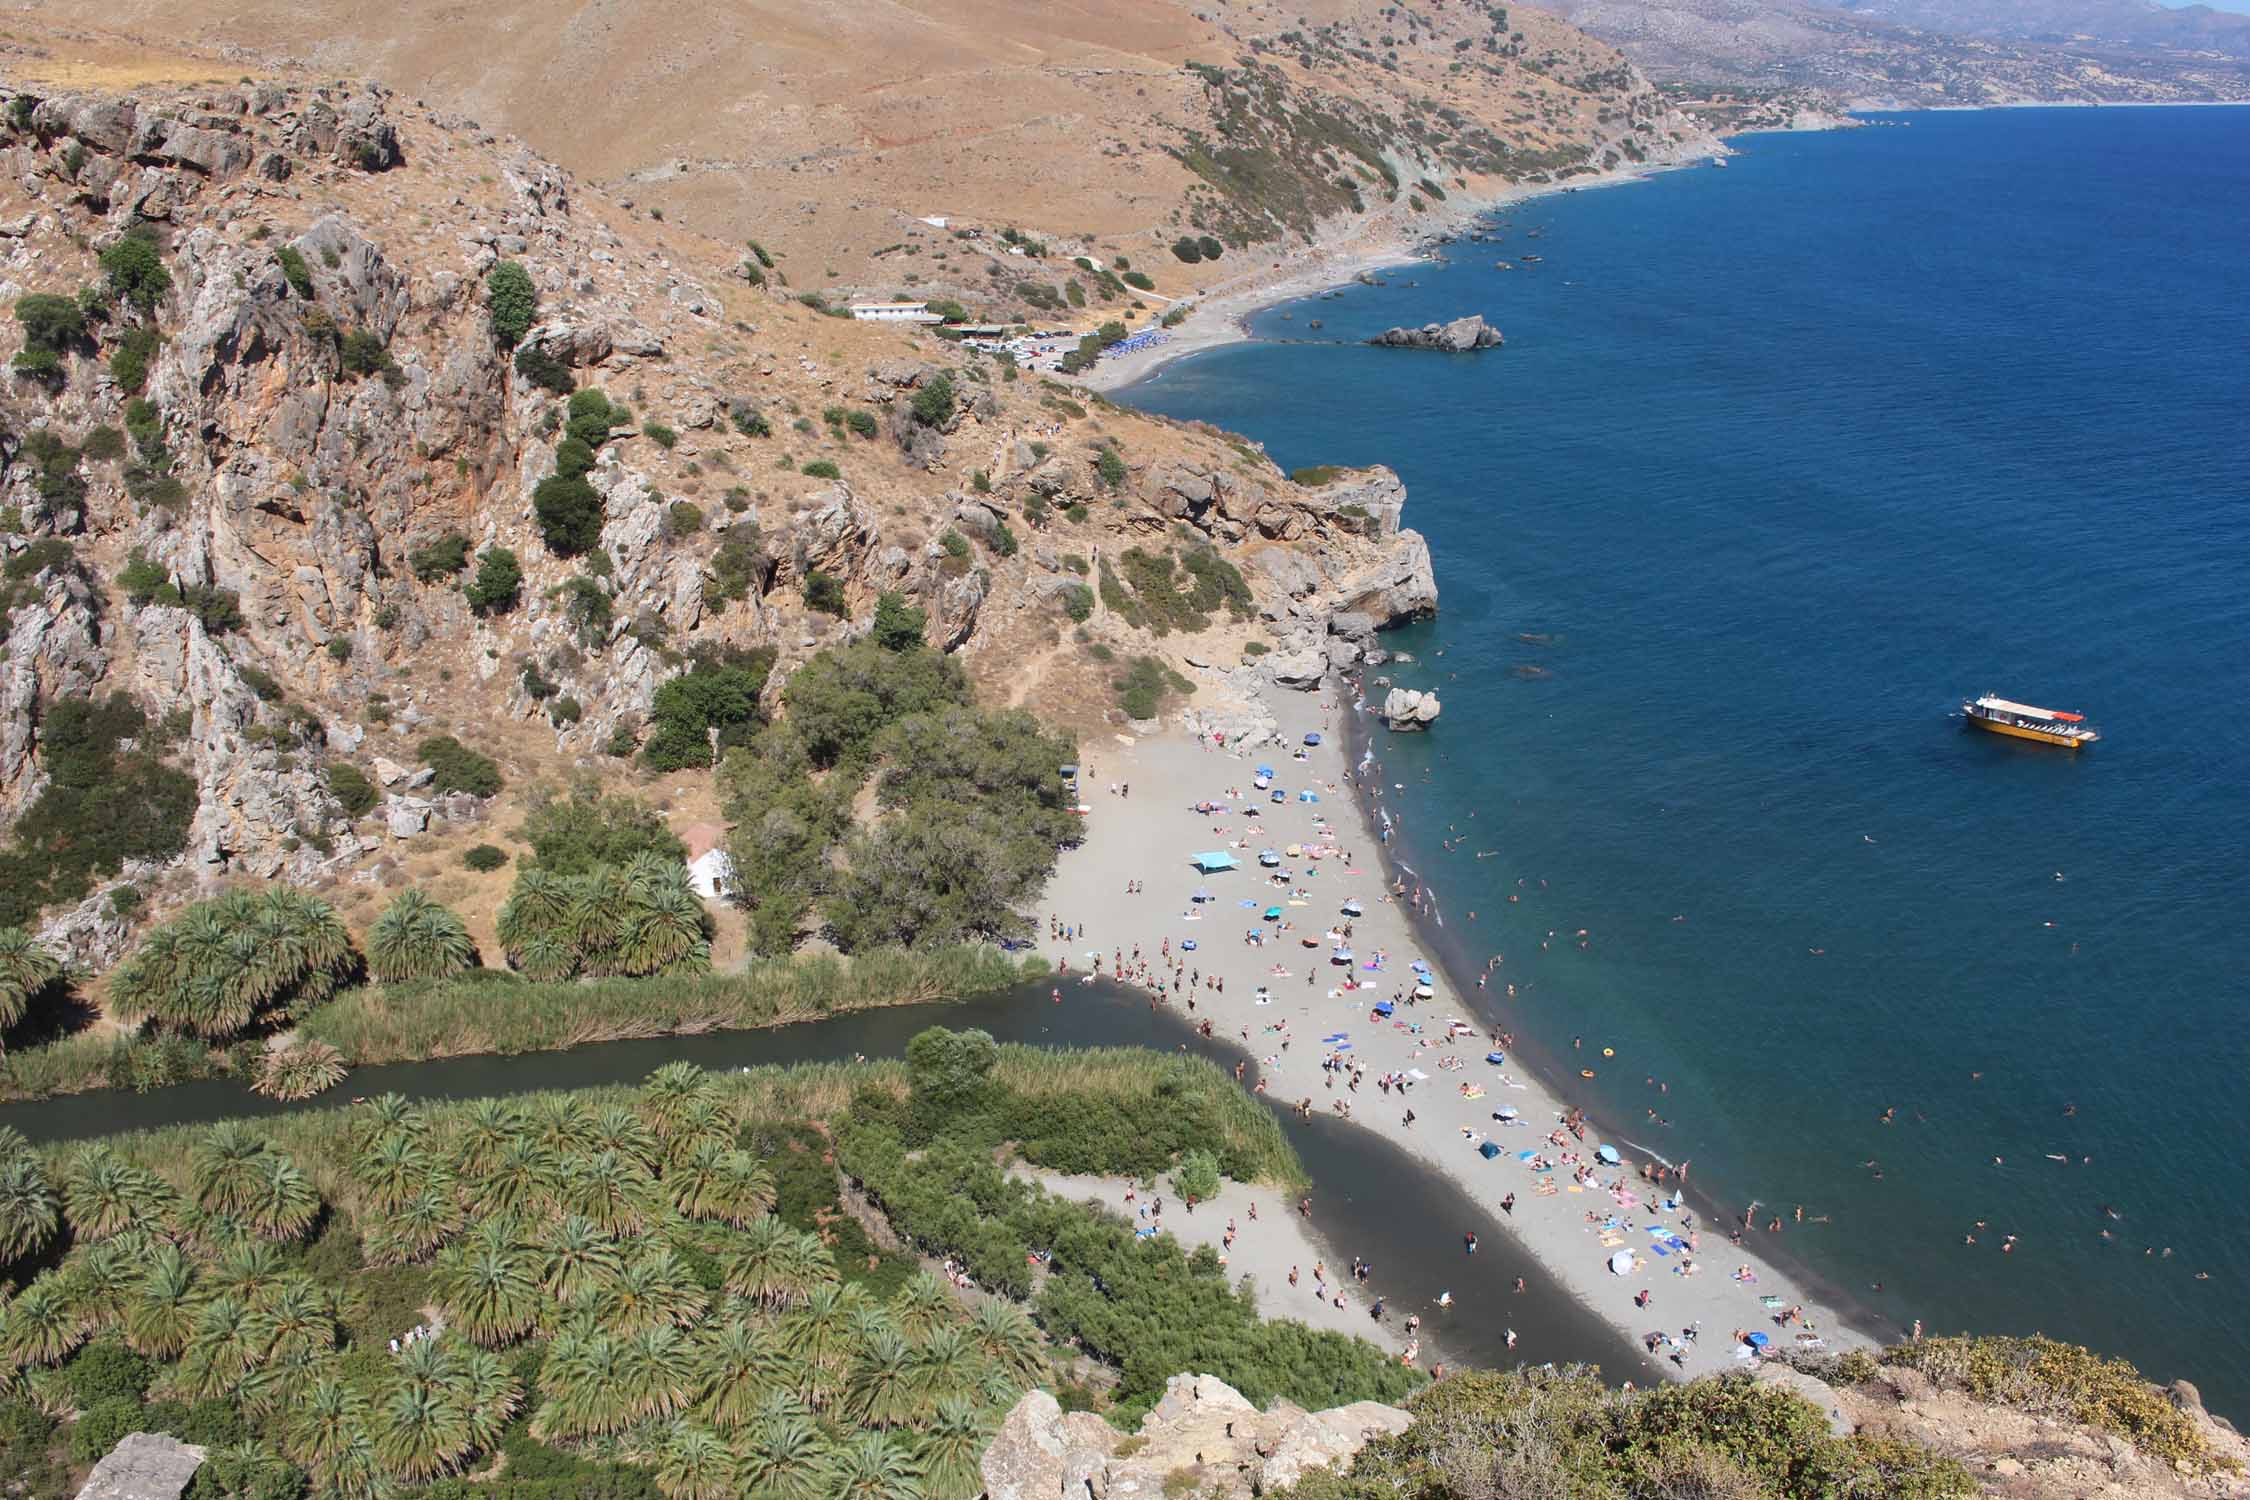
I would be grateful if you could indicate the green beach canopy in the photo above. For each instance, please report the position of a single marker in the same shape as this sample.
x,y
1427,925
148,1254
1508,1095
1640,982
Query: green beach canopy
x,y
1217,859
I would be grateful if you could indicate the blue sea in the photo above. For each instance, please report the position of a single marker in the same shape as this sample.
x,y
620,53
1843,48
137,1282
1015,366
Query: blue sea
x,y
1779,463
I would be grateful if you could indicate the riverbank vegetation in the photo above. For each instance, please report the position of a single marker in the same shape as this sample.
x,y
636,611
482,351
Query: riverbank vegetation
x,y
634,1293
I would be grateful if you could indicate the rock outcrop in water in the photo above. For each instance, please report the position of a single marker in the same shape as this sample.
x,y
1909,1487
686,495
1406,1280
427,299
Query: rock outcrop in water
x,y
1457,337
1406,710
1203,1429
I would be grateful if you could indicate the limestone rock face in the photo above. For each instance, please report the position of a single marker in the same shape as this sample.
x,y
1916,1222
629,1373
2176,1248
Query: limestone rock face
x,y
1457,337
1203,1427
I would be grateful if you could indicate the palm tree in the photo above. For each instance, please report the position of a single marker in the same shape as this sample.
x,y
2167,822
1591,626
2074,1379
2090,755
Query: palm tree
x,y
393,1114
158,1318
576,1258
876,1466
354,1472
218,1349
248,1271
820,1336
285,1204
947,1363
546,957
952,1453
788,1459
732,1187
44,1323
806,1267
107,1275
742,1365
754,1269
225,963
223,1166
422,1431
660,1371
922,1306
595,921
1009,1339
296,1317
538,907
487,1290
415,1228
492,1394
30,1209
664,931
611,1189
650,1290
486,1130
25,970
584,1382
416,938
618,1129
299,1071
103,1194
524,1181
879,1391
703,1120
393,1169
668,1092
560,1123
695,1464
324,1422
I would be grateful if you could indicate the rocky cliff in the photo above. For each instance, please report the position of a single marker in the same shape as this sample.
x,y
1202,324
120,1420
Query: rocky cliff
x,y
248,498
1204,1438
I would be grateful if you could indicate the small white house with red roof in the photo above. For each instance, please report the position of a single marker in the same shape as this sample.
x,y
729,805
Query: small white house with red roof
x,y
709,869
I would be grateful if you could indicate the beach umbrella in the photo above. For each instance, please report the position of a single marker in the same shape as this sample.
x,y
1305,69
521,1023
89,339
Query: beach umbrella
x,y
1488,1150
1496,1060
1312,739
1341,955
1295,851
1308,796
1382,1007
1423,992
1201,894
1266,771
1606,1154
1352,908
1504,1114
1417,1075
1759,1340
1188,944
1621,1263
1273,913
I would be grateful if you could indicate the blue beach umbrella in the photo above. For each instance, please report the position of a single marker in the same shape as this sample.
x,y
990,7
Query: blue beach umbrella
x,y
1312,739
1488,1150
1606,1154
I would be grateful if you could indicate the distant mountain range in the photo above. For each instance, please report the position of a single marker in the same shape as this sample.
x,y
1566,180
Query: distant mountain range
x,y
1913,53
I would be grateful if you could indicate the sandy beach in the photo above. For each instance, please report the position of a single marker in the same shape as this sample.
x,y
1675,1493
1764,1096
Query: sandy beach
x,y
1605,1233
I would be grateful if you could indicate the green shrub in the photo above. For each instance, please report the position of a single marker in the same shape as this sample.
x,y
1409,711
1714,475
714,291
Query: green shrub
x,y
933,403
363,353
570,514
748,420
439,559
1187,249
1077,602
899,626
1139,281
1110,465
49,321
350,787
459,769
544,370
683,518
2058,1380
129,361
499,579
739,566
586,605
1316,476
135,268
484,858
659,434
1210,247
512,301
719,691
825,592
821,468
294,270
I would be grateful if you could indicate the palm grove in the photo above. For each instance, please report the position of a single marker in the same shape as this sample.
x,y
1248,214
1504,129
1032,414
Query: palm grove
x,y
627,1293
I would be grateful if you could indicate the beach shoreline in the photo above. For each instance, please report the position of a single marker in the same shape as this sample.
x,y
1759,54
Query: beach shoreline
x,y
1561,1232
1221,315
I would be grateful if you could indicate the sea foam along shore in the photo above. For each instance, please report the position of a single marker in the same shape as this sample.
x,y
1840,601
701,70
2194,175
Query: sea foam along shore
x,y
1221,315
1290,1025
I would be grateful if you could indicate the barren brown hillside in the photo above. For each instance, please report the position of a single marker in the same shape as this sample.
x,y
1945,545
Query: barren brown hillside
x,y
827,130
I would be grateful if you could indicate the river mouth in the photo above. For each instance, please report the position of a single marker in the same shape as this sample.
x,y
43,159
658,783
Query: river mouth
x,y
1369,1197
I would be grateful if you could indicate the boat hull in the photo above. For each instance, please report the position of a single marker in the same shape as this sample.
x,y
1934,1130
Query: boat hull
x,y
2018,732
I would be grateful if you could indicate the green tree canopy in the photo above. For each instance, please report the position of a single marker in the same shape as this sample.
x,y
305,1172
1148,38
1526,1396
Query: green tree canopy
x,y
224,965
512,301
585,830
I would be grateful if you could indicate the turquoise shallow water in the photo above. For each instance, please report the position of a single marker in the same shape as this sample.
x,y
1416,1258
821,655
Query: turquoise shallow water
x,y
1780,463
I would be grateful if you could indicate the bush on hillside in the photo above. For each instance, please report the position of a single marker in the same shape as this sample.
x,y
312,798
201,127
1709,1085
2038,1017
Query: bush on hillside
x,y
585,830
459,769
512,301
498,581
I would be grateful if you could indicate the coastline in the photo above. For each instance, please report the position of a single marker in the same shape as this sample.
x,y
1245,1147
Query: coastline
x,y
1221,315
1560,1233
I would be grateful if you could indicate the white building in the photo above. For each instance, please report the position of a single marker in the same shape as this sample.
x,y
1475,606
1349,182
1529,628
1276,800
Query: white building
x,y
894,312
710,872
